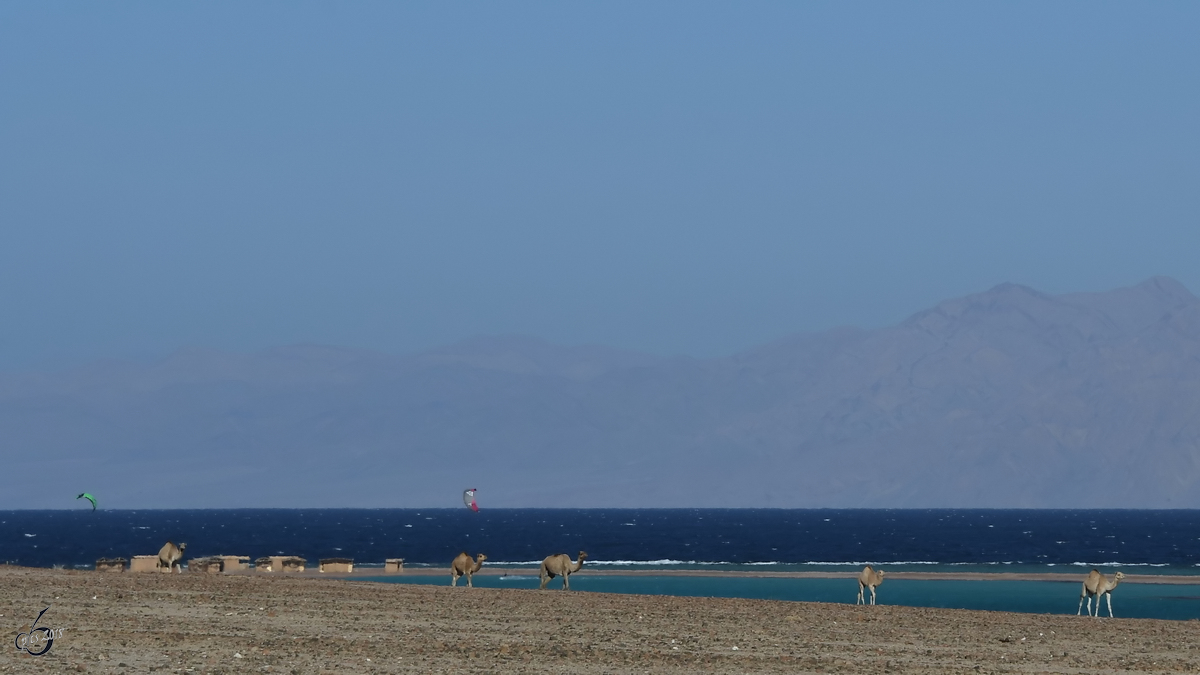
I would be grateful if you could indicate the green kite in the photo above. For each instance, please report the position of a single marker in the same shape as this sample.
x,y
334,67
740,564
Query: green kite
x,y
90,498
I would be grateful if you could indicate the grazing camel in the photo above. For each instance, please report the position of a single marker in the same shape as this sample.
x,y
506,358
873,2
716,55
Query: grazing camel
x,y
1101,587
560,565
464,566
868,579
170,555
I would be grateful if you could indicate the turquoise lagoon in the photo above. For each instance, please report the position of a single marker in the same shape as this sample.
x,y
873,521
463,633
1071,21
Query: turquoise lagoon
x,y
1130,600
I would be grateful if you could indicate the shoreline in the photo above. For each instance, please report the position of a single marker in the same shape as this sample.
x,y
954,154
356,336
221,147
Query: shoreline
x,y
371,573
290,623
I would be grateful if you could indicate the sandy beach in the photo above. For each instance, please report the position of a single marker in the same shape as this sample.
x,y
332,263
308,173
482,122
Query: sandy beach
x,y
197,623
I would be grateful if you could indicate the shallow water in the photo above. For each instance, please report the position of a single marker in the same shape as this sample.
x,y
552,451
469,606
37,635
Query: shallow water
x,y
1145,601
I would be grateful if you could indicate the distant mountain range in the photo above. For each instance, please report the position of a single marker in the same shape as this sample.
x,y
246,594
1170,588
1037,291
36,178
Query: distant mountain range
x,y
1007,398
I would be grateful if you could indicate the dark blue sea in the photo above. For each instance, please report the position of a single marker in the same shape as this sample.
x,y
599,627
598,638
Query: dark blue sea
x,y
1141,542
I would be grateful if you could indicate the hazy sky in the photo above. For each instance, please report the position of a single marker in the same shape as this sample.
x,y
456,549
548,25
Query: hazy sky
x,y
682,178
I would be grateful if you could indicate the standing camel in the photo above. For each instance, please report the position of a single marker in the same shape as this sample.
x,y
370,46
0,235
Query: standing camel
x,y
560,565
868,579
1106,590
170,555
1090,585
1103,588
464,566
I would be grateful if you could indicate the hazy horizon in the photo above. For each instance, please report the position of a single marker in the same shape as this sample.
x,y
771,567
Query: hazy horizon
x,y
1005,398
677,179
151,359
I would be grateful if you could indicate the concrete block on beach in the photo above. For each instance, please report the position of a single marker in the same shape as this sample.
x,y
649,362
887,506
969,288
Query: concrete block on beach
x,y
393,565
145,563
336,565
209,565
235,563
280,563
110,565
289,563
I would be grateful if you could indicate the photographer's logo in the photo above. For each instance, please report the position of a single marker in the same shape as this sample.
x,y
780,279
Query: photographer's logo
x,y
38,641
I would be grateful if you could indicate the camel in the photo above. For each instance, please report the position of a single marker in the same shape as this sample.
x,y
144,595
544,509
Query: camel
x,y
1090,584
868,579
1105,590
1096,584
464,566
170,555
560,565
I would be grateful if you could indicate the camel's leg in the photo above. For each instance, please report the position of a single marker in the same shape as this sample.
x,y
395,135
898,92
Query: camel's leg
x,y
545,579
860,594
872,595
453,579
1082,595
469,584
566,582
1109,597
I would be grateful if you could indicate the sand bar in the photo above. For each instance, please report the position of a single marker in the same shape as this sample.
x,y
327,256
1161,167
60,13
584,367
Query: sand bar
x,y
272,623
1064,577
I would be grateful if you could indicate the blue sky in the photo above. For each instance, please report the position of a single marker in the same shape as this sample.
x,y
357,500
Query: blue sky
x,y
680,178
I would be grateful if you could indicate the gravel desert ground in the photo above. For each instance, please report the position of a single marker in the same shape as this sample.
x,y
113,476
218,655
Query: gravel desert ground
x,y
198,623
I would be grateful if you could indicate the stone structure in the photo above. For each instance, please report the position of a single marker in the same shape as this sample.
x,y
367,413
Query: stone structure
x,y
291,563
336,565
235,563
110,565
210,565
145,563
393,565
280,563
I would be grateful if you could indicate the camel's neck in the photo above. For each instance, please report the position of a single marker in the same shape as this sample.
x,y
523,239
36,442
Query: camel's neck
x,y
577,565
476,566
1111,584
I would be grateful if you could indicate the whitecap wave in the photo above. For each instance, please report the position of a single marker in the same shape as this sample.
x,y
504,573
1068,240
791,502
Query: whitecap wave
x,y
869,562
632,563
1118,564
668,562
